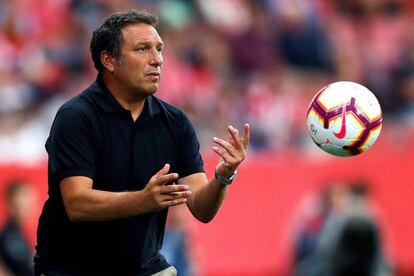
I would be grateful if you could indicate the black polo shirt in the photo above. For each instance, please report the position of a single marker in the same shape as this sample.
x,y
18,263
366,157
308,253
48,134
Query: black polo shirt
x,y
94,136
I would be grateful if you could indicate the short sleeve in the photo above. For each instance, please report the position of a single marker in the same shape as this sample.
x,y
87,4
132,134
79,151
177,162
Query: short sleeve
x,y
190,159
71,146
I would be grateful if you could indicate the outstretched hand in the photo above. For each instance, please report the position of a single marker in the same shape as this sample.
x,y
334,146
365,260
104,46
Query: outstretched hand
x,y
232,152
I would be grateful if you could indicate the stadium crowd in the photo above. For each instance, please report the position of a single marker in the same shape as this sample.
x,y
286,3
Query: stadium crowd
x,y
224,61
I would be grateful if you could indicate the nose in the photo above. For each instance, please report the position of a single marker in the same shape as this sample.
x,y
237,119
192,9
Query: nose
x,y
156,58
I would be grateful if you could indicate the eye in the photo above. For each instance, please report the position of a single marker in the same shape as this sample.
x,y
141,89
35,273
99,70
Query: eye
x,y
142,49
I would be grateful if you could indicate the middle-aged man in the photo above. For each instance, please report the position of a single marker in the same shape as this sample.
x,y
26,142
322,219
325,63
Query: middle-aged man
x,y
119,157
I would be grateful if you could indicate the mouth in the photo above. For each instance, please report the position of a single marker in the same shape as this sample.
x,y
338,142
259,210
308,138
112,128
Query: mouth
x,y
153,74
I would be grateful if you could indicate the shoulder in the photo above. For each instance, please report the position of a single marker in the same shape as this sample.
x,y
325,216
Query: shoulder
x,y
9,229
77,114
81,106
176,118
81,103
173,114
169,109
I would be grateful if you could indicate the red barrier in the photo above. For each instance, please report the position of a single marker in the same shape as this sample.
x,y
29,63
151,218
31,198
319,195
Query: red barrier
x,y
250,235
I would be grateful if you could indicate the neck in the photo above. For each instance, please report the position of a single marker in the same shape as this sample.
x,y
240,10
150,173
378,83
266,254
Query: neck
x,y
128,100
134,107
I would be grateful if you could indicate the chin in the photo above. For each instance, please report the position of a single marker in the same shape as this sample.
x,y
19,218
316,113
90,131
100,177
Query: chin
x,y
153,89
146,90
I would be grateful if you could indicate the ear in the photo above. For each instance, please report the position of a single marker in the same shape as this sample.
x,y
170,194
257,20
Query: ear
x,y
108,61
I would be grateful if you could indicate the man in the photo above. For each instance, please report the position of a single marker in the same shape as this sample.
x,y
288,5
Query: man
x,y
15,251
349,241
119,157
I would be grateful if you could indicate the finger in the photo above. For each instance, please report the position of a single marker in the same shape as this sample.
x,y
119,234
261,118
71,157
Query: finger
x,y
227,158
166,178
164,170
174,189
226,146
234,133
246,135
177,195
231,141
174,202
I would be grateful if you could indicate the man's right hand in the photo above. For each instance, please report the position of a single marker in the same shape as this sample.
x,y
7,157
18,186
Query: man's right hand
x,y
83,203
160,195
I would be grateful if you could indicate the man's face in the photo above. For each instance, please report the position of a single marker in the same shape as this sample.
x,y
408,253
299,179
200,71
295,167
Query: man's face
x,y
139,66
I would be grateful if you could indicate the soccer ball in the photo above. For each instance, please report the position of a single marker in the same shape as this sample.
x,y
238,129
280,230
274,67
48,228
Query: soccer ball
x,y
344,118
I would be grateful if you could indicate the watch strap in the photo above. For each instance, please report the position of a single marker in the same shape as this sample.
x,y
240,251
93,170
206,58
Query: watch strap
x,y
225,181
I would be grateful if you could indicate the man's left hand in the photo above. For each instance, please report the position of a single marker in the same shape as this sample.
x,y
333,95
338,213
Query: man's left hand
x,y
232,152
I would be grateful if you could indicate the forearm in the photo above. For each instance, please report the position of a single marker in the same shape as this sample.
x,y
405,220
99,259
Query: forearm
x,y
95,205
207,196
83,203
205,202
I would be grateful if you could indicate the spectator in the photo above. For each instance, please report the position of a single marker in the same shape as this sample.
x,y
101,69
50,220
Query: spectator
x,y
350,241
15,252
331,199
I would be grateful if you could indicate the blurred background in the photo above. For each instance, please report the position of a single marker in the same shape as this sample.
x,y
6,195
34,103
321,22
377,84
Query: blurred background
x,y
230,62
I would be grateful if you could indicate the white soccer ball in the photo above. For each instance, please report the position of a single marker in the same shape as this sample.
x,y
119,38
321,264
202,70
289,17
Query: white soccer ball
x,y
344,118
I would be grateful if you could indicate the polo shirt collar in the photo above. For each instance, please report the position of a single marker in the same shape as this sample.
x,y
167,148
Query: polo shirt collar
x,y
104,99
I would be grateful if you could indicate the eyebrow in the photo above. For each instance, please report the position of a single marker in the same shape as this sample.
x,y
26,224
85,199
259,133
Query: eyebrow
x,y
146,43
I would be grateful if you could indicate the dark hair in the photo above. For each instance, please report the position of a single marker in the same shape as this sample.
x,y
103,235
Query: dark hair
x,y
108,35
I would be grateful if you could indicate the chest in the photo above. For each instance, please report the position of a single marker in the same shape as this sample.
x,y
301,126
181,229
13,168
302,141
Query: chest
x,y
130,153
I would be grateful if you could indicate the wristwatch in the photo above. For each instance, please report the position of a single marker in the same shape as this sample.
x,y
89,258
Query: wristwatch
x,y
225,181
